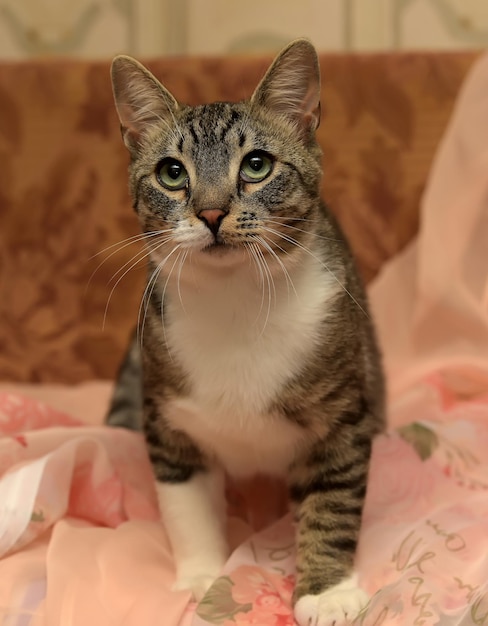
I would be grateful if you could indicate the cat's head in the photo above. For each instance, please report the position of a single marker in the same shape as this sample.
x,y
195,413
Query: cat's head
x,y
223,178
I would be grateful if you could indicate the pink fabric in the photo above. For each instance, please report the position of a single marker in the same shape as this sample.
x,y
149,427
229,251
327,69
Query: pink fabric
x,y
431,302
87,402
79,534
84,544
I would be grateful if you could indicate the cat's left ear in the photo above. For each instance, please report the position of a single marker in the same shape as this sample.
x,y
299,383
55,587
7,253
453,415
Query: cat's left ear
x,y
291,86
141,101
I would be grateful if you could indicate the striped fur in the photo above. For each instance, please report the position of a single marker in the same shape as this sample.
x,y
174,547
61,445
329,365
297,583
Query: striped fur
x,y
258,354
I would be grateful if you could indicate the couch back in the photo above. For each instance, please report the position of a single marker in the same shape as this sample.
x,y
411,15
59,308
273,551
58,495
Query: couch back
x,y
63,189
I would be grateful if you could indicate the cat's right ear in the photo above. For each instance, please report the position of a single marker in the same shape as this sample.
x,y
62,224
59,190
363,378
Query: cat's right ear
x,y
140,99
291,87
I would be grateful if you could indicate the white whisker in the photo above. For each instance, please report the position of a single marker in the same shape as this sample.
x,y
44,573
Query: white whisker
x,y
185,254
289,282
129,240
269,282
324,265
274,221
163,296
251,247
146,296
142,254
122,244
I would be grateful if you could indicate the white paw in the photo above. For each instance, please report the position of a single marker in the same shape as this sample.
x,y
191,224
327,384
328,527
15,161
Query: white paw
x,y
197,575
338,606
198,584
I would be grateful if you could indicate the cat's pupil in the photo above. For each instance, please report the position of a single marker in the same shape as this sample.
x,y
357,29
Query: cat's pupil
x,y
174,171
256,163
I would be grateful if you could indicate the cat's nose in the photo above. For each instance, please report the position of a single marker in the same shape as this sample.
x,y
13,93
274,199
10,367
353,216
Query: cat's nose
x,y
212,218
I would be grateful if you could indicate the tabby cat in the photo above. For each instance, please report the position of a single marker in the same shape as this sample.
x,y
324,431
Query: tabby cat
x,y
257,352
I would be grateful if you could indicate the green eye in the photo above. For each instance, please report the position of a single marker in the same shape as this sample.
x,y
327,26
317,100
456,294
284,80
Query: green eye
x,y
256,166
172,174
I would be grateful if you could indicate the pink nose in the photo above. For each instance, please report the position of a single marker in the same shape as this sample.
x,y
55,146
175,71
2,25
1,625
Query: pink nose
x,y
212,218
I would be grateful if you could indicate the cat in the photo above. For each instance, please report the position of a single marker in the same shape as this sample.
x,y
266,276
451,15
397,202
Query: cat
x,y
258,353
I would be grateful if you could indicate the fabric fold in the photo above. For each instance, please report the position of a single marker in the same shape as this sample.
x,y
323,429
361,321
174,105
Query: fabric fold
x,y
431,301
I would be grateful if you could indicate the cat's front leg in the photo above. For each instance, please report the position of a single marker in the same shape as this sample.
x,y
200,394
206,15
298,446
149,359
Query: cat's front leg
x,y
192,513
191,495
328,488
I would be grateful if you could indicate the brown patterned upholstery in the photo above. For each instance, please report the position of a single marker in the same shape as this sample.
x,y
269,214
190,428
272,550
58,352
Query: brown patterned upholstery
x,y
63,190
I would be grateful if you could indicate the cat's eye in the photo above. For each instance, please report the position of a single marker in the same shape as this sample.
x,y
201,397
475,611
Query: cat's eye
x,y
172,174
256,166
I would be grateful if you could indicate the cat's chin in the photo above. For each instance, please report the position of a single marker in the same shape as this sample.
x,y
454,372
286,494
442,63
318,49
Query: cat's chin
x,y
222,255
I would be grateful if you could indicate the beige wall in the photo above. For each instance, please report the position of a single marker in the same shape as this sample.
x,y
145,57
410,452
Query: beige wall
x,y
99,28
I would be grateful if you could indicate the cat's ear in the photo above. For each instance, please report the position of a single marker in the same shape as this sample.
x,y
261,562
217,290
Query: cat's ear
x,y
291,86
140,99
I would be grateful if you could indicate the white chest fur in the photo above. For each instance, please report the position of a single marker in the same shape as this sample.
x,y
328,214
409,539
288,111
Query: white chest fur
x,y
239,343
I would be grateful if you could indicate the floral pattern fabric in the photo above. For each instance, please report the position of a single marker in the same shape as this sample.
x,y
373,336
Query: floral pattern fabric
x,y
423,552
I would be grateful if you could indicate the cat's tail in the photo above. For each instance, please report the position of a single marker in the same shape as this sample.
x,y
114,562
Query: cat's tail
x,y
126,404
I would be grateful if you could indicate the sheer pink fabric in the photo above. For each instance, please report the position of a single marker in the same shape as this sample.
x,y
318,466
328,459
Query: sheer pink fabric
x,y
431,302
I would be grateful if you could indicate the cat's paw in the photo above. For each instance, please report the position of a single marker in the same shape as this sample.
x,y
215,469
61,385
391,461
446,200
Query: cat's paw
x,y
197,576
198,584
338,606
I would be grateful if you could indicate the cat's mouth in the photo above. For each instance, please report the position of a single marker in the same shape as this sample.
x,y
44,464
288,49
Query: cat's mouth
x,y
217,247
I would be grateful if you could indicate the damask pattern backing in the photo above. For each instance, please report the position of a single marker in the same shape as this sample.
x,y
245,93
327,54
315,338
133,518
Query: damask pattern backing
x,y
64,199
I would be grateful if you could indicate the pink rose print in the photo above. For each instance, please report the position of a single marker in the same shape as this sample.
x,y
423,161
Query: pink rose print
x,y
250,596
21,439
270,595
258,617
251,583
